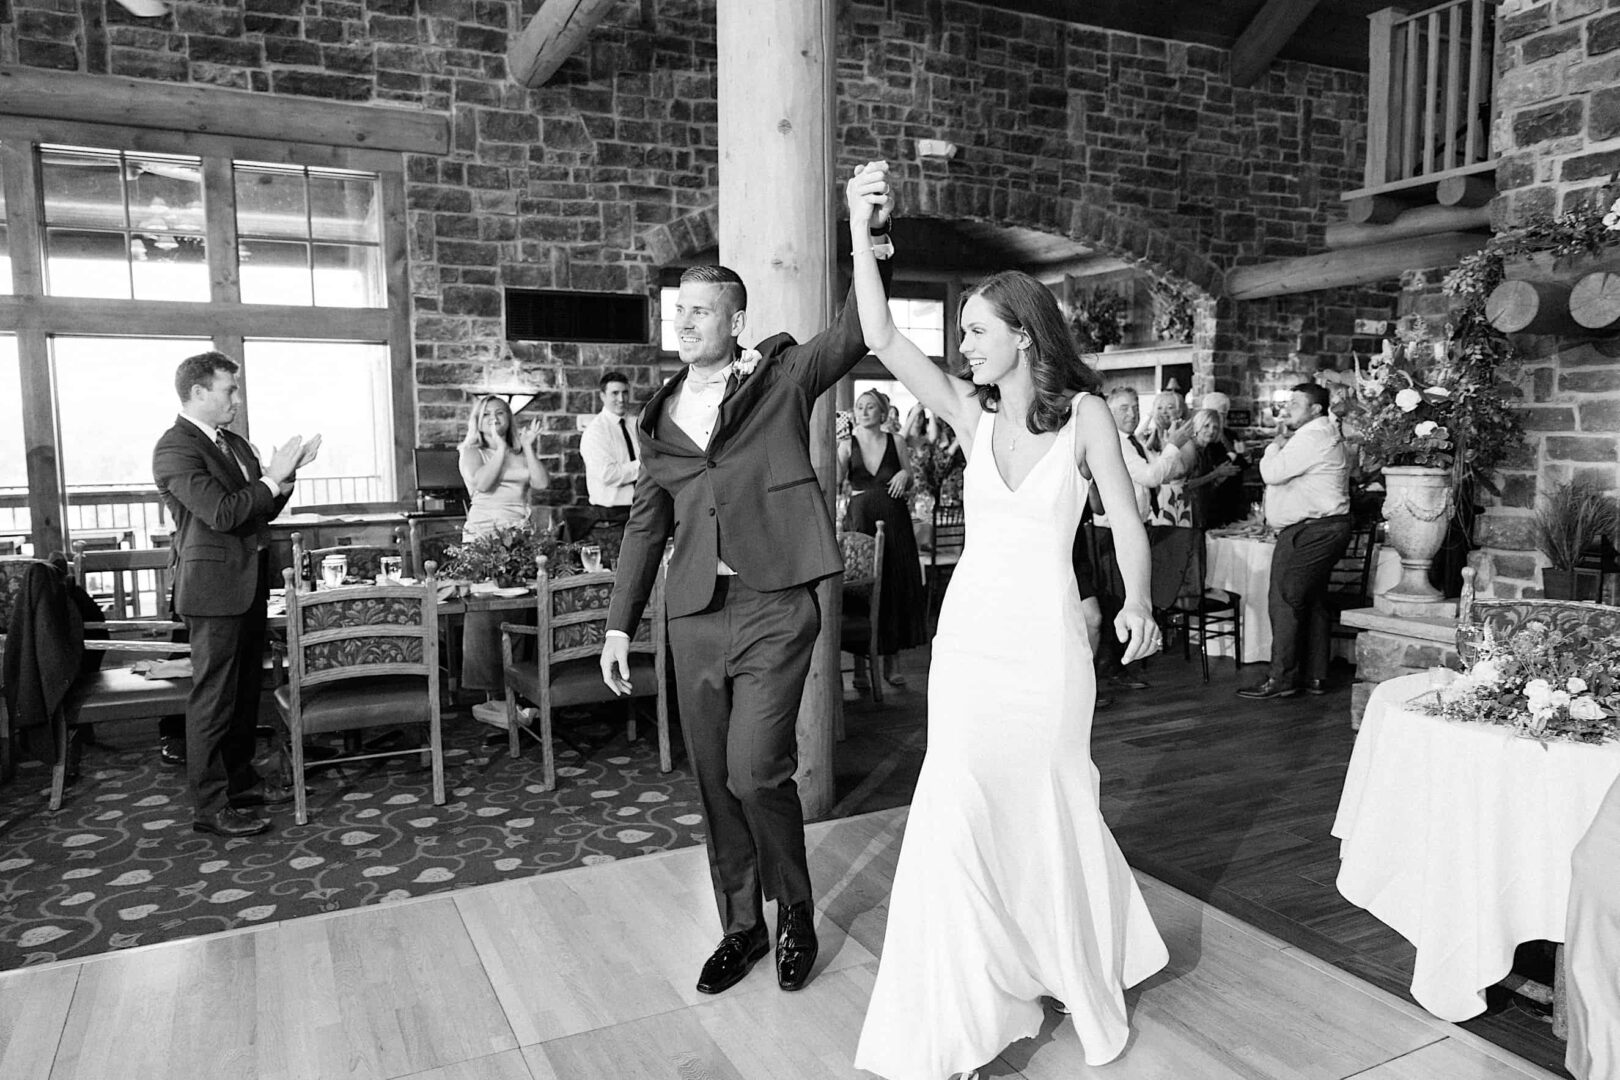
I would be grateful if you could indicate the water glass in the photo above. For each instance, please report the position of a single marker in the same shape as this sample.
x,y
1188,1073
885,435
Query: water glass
x,y
390,568
334,568
590,557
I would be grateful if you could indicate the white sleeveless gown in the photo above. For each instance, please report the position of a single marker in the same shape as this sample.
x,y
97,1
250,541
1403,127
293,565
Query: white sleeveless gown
x,y
1009,885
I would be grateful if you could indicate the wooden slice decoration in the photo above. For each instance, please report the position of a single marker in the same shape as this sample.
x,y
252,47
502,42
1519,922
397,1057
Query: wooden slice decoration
x,y
1594,302
1529,307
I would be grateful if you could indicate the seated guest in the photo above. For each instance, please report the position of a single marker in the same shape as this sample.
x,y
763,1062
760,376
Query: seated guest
x,y
871,462
501,468
1307,479
1214,470
609,447
1148,472
1226,503
1592,947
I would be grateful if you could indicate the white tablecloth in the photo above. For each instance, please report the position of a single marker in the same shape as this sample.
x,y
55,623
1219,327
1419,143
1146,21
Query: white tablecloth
x,y
1242,565
1458,836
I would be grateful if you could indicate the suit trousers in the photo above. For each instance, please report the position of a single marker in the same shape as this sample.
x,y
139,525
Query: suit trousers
x,y
1300,619
740,666
223,708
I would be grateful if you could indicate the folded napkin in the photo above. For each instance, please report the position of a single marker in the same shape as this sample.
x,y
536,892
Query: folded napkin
x,y
178,668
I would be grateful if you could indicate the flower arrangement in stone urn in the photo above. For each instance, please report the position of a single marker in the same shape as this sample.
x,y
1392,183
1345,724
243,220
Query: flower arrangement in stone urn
x,y
1433,411
1544,683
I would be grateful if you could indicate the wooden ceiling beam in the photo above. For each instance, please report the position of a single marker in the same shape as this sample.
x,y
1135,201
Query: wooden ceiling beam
x,y
1265,37
1352,266
551,37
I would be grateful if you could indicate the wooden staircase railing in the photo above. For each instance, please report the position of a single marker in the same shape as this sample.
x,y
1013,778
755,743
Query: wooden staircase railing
x,y
1429,86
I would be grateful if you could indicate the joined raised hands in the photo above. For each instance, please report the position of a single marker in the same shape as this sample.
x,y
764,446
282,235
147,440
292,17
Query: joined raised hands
x,y
870,195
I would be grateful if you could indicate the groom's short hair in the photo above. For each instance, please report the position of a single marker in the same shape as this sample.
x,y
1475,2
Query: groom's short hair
x,y
713,274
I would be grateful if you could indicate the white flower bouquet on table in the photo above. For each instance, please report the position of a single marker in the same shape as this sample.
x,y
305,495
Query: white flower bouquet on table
x,y
1546,684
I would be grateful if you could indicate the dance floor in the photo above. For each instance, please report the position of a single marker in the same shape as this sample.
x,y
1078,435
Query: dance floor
x,y
587,974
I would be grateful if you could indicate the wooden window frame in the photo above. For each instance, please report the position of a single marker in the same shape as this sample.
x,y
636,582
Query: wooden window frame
x,y
219,127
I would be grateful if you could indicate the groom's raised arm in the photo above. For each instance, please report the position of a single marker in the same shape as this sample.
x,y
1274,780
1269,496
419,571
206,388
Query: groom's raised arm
x,y
824,359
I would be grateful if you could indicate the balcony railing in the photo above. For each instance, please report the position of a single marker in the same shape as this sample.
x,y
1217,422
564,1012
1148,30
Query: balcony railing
x,y
1429,87
134,517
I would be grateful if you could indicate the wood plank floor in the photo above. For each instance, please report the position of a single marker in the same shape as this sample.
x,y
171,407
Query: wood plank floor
x,y
587,975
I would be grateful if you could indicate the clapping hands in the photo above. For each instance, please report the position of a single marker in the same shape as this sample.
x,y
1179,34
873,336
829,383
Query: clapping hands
x,y
291,456
529,436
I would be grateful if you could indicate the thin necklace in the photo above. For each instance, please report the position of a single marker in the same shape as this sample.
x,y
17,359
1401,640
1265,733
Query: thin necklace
x,y
1012,436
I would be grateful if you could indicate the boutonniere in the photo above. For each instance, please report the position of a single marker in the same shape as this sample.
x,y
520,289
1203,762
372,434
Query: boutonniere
x,y
746,363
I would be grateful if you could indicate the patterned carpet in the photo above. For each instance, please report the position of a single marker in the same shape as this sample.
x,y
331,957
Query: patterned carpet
x,y
120,866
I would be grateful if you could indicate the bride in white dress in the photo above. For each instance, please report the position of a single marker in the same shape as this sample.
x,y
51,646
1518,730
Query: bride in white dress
x,y
1010,887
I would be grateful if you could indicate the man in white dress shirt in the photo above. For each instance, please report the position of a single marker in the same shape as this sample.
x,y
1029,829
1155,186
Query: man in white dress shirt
x,y
1307,475
610,450
1148,471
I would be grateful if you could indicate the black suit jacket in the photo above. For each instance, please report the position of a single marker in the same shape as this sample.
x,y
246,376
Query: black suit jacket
x,y
751,497
221,518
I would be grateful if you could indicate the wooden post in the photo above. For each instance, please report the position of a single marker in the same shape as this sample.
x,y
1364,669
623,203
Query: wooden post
x,y
1530,307
1594,302
777,231
555,31
1381,71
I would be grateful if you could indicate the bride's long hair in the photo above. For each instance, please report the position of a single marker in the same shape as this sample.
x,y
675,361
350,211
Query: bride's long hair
x,y
1055,366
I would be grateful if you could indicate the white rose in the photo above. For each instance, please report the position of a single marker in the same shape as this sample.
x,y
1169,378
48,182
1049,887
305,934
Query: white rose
x,y
1537,691
1585,708
1558,700
1425,429
1486,673
1408,399
1575,685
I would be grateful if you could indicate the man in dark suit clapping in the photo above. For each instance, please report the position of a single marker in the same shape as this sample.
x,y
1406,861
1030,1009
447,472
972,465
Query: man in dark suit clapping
x,y
222,502
726,473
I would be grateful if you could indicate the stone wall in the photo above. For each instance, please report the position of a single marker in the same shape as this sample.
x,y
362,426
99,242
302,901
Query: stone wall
x,y
1557,131
1137,147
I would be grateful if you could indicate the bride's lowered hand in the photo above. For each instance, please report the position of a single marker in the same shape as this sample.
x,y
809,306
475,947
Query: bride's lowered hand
x,y
1135,626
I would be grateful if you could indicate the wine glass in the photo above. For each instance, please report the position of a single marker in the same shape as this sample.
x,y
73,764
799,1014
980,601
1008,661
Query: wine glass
x,y
590,557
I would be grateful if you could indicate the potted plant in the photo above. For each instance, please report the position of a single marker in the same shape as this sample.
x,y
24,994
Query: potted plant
x,y
1099,320
1573,518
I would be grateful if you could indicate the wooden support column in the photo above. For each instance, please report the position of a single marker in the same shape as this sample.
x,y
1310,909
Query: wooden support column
x,y
776,230
1265,36
552,36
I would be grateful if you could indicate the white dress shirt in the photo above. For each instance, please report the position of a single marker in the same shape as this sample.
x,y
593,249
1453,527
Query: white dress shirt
x,y
1308,476
696,410
610,471
211,433
1148,470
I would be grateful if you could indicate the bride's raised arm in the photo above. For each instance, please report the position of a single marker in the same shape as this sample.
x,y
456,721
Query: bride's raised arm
x,y
942,394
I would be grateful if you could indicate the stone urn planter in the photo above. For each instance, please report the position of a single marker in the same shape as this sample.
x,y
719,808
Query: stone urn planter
x,y
1417,507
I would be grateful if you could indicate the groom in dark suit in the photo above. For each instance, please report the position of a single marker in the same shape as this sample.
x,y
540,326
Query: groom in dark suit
x,y
726,472
222,503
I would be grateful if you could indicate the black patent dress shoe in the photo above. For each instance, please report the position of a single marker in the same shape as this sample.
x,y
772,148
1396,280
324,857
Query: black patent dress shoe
x,y
732,959
263,794
1316,687
1271,688
796,946
172,751
230,822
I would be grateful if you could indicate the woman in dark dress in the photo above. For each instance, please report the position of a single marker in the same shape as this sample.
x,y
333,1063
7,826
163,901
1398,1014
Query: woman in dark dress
x,y
880,496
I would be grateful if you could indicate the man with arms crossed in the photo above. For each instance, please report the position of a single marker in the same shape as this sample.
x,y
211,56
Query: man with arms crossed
x,y
726,472
222,503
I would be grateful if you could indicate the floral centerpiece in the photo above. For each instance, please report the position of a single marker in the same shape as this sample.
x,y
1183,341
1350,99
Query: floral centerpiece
x,y
1098,320
936,474
506,555
1545,684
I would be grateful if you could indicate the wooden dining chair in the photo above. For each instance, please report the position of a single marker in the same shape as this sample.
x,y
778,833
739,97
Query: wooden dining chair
x,y
863,601
361,656
1182,599
429,537
565,671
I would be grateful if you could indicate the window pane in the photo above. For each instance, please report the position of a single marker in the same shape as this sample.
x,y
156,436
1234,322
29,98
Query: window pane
x,y
666,318
274,272
165,195
87,263
338,390
169,268
270,202
343,208
923,321
114,397
349,276
14,520
83,188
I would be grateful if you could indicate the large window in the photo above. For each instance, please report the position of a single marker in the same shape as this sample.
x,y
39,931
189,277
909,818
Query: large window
x,y
273,254
15,528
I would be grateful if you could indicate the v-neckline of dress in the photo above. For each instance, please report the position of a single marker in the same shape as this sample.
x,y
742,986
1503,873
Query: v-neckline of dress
x,y
996,465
